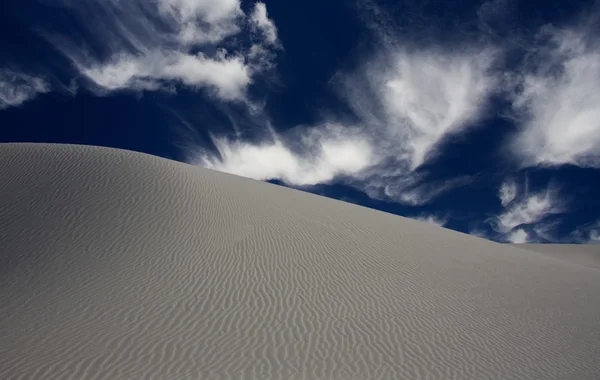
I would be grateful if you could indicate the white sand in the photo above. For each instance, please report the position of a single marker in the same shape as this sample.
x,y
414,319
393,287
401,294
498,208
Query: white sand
x,y
117,265
582,254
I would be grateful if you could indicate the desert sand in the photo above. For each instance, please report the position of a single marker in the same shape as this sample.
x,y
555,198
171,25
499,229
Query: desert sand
x,y
117,265
582,254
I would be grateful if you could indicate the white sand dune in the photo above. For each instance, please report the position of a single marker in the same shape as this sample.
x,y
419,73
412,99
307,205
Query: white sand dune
x,y
582,254
118,265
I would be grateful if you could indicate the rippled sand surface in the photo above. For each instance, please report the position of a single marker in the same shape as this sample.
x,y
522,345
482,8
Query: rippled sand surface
x,y
118,265
581,254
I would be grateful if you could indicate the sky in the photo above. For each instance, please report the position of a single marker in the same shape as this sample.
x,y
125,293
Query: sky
x,y
478,116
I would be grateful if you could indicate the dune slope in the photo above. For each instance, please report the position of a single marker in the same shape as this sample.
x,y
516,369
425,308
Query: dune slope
x,y
582,254
118,265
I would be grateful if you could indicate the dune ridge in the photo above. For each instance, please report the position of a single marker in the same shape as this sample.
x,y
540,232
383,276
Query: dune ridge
x,y
119,265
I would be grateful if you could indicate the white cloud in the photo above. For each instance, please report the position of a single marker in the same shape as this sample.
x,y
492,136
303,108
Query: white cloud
x,y
558,100
528,209
261,22
429,94
546,231
328,158
507,192
158,44
202,21
17,88
518,236
586,234
406,102
531,209
228,76
409,101
433,219
414,189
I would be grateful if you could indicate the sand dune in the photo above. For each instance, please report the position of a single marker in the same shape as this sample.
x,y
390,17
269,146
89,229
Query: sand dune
x,y
117,265
582,254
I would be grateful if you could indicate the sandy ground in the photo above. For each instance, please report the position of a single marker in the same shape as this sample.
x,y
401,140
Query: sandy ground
x,y
117,265
582,254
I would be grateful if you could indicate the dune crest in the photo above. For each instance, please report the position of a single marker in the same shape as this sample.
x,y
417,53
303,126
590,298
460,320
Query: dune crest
x,y
118,265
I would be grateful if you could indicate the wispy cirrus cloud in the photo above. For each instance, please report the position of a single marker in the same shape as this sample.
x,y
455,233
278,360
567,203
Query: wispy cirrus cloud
x,y
406,102
557,98
260,22
153,45
320,158
588,233
434,219
524,215
17,88
201,21
428,94
226,76
507,192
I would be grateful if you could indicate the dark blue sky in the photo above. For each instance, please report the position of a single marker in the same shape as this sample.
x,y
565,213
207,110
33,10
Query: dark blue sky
x,y
430,110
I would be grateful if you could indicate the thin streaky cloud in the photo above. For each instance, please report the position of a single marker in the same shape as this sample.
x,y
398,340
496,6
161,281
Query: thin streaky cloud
x,y
507,192
167,43
319,160
17,88
261,23
407,103
433,219
527,212
557,100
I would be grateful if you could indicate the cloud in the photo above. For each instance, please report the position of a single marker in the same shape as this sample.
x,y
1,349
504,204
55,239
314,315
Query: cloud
x,y
519,236
154,45
531,209
202,21
17,88
527,209
507,192
557,99
410,188
526,217
433,219
588,233
228,76
406,104
429,94
320,160
261,23
546,231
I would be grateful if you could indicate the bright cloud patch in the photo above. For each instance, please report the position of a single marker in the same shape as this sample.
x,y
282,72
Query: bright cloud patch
x,y
518,236
328,159
531,209
559,101
228,76
202,21
435,220
17,88
158,44
507,192
261,22
428,95
407,103
524,212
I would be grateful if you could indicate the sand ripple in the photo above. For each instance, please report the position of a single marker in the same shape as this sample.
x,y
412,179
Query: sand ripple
x,y
121,266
